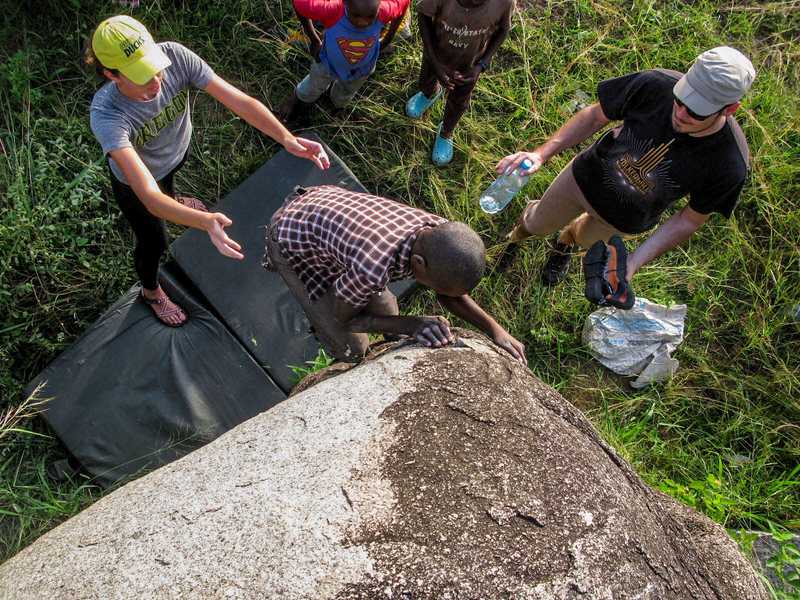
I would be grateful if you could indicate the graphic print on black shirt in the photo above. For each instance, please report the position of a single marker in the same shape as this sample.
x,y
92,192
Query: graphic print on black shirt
x,y
643,168
632,173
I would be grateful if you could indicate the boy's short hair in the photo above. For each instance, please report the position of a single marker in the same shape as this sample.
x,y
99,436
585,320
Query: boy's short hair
x,y
455,255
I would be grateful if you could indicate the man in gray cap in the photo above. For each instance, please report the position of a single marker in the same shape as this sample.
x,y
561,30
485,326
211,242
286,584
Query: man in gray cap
x,y
677,136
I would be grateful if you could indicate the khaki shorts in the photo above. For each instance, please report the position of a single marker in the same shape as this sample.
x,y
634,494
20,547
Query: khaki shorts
x,y
563,206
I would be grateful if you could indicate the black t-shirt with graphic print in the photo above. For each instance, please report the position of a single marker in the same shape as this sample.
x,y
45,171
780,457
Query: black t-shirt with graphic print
x,y
633,172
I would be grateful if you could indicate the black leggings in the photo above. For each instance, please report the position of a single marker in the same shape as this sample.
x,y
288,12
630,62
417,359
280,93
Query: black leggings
x,y
150,230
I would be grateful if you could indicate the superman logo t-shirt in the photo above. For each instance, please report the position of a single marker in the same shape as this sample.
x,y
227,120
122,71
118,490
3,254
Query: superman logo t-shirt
x,y
349,52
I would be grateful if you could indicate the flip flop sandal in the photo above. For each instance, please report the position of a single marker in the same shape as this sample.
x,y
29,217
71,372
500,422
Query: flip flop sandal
x,y
419,103
164,312
605,267
190,202
442,149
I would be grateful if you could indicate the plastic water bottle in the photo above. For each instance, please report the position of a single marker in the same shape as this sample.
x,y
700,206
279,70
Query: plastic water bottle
x,y
579,101
504,188
794,312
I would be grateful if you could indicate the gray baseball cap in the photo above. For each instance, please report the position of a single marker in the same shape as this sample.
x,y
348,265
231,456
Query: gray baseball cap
x,y
718,77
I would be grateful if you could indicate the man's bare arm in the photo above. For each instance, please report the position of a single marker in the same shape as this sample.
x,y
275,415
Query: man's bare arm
x,y
670,234
579,128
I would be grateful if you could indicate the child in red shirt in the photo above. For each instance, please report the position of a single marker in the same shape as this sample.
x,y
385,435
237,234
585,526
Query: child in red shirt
x,y
347,54
459,39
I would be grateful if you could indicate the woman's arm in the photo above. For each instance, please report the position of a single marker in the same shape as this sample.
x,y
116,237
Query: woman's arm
x,y
161,205
260,117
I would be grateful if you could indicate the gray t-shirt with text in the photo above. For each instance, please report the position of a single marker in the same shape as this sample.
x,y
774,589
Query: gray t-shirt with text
x,y
158,129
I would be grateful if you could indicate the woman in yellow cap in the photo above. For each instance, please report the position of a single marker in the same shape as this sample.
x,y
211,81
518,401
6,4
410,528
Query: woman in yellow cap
x,y
142,120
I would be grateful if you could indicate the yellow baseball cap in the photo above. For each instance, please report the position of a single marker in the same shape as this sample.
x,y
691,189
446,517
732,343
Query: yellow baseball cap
x,y
123,43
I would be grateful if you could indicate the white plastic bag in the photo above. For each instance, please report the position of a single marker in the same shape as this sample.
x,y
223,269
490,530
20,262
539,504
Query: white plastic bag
x,y
638,341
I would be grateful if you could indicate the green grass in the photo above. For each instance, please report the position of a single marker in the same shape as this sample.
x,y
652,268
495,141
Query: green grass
x,y
723,435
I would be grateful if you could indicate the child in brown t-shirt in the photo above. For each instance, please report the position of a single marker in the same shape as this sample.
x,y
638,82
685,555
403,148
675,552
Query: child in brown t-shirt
x,y
459,39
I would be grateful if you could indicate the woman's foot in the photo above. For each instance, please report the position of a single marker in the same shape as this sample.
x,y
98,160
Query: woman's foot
x,y
166,311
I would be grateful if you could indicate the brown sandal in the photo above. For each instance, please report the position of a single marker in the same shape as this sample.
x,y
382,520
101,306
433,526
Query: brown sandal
x,y
164,311
190,202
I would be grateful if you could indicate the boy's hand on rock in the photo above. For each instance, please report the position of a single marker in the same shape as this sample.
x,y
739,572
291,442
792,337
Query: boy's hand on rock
x,y
433,331
511,345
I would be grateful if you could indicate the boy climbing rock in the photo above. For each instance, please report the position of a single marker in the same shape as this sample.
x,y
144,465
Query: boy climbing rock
x,y
337,250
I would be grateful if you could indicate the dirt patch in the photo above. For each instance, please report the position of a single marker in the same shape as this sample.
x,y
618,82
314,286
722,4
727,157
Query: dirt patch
x,y
460,487
503,490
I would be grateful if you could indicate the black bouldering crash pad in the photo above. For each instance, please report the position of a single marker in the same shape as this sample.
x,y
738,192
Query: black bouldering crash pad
x,y
130,394
253,302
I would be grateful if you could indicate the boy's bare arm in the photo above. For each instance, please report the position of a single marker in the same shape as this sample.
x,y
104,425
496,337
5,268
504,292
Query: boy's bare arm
x,y
494,44
315,43
429,330
491,49
393,27
469,310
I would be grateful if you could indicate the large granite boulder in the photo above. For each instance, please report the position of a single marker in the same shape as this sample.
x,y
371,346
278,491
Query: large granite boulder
x,y
451,473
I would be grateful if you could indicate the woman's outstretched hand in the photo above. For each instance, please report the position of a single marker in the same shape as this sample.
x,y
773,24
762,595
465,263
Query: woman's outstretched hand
x,y
309,149
215,227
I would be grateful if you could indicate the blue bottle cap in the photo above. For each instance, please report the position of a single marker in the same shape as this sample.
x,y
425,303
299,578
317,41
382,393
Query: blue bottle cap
x,y
526,164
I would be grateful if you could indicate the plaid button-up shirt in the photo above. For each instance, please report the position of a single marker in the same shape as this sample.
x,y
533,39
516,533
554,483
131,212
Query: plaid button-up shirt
x,y
352,241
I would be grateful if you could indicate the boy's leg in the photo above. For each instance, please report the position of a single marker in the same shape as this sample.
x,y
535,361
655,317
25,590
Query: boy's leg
x,y
428,83
342,92
315,83
429,92
458,100
385,303
307,92
341,344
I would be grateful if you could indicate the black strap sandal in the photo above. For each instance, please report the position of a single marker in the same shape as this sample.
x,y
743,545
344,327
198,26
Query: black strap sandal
x,y
605,267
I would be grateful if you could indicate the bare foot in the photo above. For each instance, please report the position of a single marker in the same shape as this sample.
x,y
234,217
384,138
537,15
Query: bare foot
x,y
165,309
291,111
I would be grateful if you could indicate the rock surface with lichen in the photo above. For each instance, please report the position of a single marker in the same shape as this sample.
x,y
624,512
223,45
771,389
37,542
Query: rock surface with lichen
x,y
419,474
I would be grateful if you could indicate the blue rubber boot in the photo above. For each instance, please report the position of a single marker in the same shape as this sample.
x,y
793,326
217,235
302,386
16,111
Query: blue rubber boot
x,y
419,103
442,149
